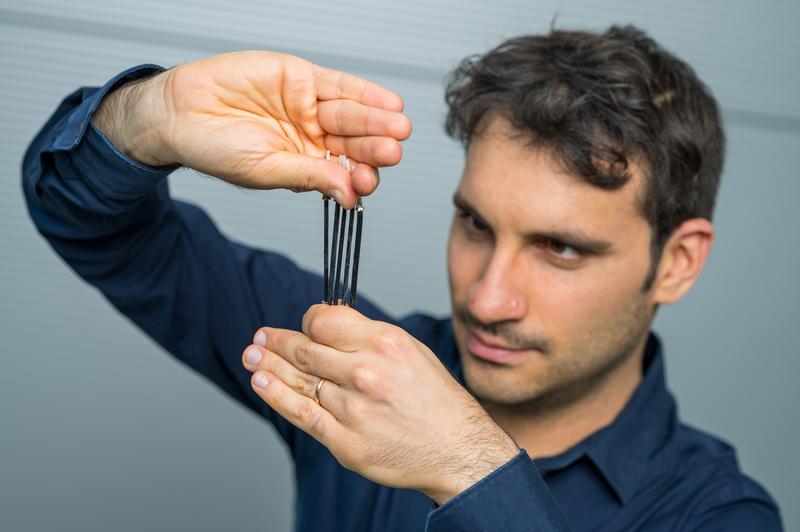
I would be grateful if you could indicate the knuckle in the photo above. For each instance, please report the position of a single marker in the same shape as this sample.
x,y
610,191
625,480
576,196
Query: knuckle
x,y
316,427
303,356
307,385
303,183
390,342
304,412
369,119
310,420
365,378
315,326
340,117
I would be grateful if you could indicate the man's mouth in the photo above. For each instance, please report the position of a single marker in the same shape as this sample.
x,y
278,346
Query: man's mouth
x,y
493,350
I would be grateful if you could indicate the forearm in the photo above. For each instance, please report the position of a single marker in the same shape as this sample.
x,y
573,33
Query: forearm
x,y
102,212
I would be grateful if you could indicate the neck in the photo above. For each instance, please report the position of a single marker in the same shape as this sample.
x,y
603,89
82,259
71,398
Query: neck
x,y
548,430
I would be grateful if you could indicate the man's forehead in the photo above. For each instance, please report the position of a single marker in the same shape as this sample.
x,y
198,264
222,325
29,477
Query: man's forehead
x,y
509,178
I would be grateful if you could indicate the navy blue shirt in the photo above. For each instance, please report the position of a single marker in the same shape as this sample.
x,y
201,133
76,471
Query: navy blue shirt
x,y
200,295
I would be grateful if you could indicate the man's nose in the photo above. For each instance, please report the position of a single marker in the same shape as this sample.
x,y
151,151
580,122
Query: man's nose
x,y
499,294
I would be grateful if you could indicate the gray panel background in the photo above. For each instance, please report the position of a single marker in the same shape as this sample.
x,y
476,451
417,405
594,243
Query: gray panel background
x,y
100,430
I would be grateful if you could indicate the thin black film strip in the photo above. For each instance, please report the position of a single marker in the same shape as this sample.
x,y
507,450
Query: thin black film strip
x,y
340,247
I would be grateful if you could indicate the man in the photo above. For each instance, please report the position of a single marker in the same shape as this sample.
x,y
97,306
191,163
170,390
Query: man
x,y
592,164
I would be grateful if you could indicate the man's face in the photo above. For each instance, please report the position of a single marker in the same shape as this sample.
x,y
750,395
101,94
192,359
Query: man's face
x,y
546,274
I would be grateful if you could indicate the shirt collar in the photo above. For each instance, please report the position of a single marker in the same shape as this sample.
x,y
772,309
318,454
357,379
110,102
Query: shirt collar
x,y
622,450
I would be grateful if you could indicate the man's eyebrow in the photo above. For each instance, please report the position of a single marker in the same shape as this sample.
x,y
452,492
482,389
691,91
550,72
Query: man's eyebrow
x,y
461,203
578,241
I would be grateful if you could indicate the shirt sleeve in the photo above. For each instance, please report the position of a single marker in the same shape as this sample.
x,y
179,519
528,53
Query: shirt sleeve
x,y
513,498
161,262
740,516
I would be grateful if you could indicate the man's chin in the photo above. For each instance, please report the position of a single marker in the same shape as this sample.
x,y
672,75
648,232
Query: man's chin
x,y
495,383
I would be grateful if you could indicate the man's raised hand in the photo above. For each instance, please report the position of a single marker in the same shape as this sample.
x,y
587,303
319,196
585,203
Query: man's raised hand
x,y
261,120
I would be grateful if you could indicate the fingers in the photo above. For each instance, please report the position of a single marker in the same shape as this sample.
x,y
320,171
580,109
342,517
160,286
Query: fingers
x,y
304,354
337,326
256,358
302,173
298,409
349,118
332,85
375,151
365,179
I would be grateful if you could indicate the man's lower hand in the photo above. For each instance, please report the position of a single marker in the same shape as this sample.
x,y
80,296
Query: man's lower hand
x,y
388,410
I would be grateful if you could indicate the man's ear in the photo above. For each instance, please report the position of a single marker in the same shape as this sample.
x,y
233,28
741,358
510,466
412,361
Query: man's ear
x,y
682,260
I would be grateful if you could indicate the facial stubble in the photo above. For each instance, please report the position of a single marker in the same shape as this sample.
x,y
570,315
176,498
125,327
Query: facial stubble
x,y
568,371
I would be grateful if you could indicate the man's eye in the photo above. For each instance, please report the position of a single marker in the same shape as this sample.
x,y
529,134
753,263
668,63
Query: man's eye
x,y
473,224
563,251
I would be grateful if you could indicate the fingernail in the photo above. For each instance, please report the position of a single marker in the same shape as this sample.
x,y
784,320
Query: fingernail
x,y
260,339
253,356
337,195
261,380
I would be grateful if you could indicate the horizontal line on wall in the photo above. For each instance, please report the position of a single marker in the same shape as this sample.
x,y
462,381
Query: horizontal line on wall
x,y
214,45
759,119
10,17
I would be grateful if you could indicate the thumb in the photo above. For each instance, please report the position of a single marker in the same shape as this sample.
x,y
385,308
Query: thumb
x,y
302,173
338,326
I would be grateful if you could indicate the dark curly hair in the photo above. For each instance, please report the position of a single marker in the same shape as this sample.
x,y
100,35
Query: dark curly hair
x,y
599,102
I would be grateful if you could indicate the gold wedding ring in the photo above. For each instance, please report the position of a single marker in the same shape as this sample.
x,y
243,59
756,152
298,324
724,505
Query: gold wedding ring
x,y
317,388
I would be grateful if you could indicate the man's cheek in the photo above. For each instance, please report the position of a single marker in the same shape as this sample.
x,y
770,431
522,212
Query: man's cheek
x,y
465,270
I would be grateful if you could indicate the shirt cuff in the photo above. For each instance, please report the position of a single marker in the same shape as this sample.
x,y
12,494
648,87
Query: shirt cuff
x,y
113,173
512,498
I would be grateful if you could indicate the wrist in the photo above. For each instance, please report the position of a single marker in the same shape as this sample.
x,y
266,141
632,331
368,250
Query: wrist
x,y
136,118
476,465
